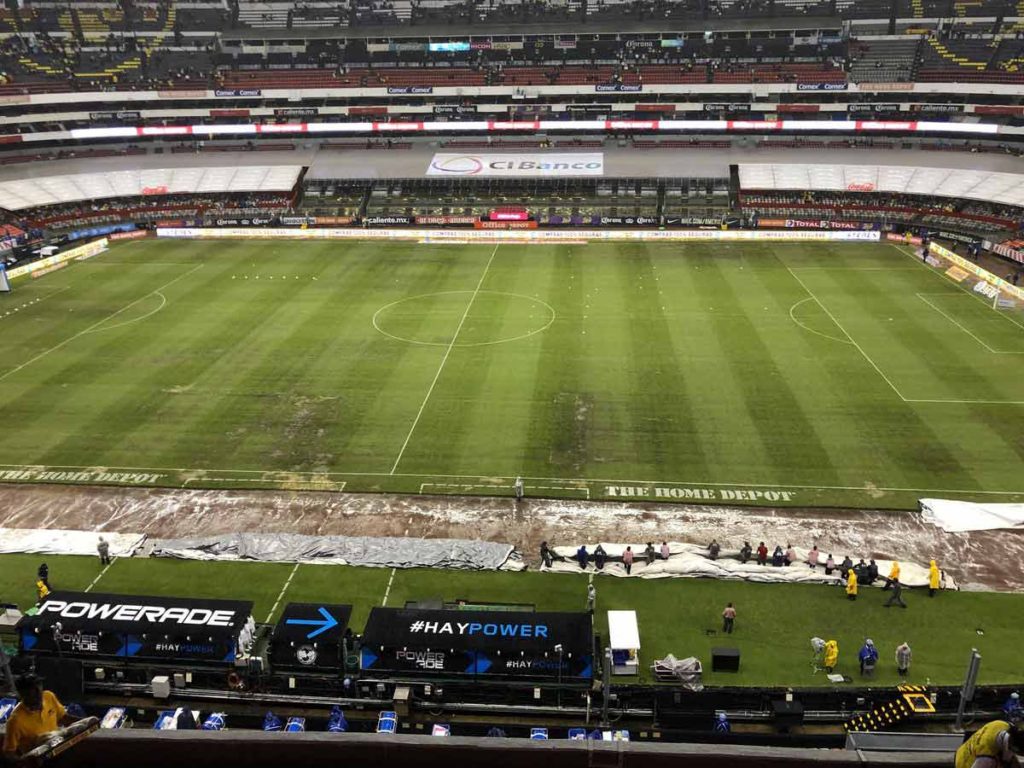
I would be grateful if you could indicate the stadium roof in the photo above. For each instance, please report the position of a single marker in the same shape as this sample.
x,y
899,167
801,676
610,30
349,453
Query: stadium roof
x,y
972,183
49,190
651,163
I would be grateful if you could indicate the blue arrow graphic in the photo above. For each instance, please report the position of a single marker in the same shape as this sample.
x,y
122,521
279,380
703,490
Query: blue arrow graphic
x,y
328,622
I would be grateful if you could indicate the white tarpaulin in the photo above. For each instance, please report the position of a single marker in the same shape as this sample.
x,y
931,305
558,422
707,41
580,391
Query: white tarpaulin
x,y
690,560
375,552
959,516
545,164
59,542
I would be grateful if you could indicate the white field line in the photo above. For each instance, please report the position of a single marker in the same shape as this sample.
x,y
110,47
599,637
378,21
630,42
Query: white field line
x,y
391,579
946,281
958,325
447,352
845,332
592,480
584,489
163,303
101,575
280,595
94,326
808,328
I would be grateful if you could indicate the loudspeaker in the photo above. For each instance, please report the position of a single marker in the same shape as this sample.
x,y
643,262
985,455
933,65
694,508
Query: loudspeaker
x,y
725,659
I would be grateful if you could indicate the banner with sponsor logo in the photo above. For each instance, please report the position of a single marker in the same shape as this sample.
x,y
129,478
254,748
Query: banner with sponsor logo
x,y
629,221
972,268
822,86
243,221
387,221
446,220
229,113
247,92
539,235
540,164
131,626
37,268
297,112
309,636
138,233
812,224
410,90
617,88
122,115
505,224
492,643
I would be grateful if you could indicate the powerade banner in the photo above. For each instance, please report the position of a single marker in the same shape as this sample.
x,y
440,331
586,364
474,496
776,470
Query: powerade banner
x,y
541,164
491,643
309,635
93,625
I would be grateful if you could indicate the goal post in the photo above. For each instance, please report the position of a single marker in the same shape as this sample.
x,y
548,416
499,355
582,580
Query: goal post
x,y
5,284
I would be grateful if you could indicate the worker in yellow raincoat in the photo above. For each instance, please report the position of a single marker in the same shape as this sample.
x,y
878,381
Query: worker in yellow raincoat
x,y
934,578
851,585
994,745
831,655
894,574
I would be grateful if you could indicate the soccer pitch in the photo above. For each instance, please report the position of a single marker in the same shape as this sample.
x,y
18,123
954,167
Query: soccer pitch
x,y
801,374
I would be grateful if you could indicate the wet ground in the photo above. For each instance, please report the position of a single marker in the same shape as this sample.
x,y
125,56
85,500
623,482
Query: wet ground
x,y
978,560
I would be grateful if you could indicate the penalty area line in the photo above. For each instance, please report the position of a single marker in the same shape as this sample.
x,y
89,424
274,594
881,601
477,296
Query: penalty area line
x,y
94,326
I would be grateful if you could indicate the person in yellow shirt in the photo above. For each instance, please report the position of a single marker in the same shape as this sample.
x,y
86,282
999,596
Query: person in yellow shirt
x,y
851,585
831,656
994,745
42,589
38,713
934,578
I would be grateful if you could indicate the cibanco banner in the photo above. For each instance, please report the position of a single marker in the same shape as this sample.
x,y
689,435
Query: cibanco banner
x,y
543,164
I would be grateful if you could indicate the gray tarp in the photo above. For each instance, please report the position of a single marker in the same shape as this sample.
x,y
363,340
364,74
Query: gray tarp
x,y
345,550
53,541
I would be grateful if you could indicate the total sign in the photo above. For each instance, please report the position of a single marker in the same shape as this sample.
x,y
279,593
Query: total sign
x,y
543,164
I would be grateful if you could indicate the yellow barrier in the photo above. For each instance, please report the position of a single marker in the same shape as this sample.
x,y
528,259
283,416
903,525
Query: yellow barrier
x,y
81,251
977,271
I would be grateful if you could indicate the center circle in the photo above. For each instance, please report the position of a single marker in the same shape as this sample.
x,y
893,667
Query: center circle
x,y
432,319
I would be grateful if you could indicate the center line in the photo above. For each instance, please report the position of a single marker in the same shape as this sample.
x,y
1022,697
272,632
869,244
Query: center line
x,y
444,359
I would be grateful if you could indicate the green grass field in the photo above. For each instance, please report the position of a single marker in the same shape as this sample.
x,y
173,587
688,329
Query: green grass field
x,y
808,374
773,632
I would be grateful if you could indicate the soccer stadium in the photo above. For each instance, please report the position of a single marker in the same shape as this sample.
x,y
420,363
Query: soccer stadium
x,y
404,382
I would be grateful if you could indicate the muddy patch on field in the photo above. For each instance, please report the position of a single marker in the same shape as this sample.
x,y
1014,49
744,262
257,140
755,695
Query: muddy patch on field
x,y
978,560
